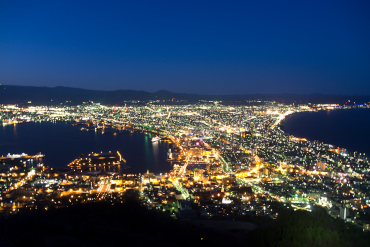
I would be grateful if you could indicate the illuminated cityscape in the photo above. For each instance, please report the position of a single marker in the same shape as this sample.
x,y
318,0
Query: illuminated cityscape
x,y
227,161
185,123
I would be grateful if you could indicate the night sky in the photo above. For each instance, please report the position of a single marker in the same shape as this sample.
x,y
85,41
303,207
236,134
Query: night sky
x,y
204,47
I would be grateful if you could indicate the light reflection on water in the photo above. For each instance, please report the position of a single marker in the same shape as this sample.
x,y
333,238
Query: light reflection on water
x,y
344,128
61,143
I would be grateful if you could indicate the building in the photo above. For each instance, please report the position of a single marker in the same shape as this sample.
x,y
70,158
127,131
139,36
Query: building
x,y
321,166
343,212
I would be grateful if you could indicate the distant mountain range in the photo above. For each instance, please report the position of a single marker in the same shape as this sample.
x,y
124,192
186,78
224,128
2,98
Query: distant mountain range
x,y
55,95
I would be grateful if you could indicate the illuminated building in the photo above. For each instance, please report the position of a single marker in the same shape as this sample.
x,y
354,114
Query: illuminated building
x,y
343,212
321,166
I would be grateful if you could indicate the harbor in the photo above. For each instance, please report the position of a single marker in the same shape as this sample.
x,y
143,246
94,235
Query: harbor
x,y
136,147
98,160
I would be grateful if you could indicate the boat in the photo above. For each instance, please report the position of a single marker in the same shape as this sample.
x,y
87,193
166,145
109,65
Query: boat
x,y
156,138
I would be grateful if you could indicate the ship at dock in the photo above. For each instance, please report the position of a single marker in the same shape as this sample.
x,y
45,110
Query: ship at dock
x,y
22,156
156,138
22,159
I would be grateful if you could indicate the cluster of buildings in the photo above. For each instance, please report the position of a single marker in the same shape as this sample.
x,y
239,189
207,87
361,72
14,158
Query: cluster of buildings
x,y
228,161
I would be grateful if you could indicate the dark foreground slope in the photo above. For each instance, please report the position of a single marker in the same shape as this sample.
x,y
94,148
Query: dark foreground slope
x,y
129,224
104,224
302,228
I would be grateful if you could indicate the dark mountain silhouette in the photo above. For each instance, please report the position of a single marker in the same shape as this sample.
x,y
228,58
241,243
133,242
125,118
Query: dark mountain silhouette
x,y
56,95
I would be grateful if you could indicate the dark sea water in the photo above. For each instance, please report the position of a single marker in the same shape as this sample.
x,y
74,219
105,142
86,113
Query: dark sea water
x,y
61,143
349,129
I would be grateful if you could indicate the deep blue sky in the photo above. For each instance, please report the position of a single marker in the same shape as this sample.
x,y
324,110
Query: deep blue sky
x,y
207,47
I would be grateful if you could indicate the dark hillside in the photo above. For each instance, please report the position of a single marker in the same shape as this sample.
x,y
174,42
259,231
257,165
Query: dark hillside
x,y
129,224
104,224
316,228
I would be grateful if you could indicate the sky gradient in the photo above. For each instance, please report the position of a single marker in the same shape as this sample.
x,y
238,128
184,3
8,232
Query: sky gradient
x,y
214,47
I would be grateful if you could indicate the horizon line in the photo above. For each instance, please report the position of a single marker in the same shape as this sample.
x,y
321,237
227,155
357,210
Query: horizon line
x,y
167,91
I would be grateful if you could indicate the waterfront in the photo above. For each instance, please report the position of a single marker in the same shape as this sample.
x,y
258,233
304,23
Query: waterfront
x,y
61,143
347,129
227,161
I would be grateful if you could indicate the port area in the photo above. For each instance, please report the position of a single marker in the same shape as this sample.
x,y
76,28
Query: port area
x,y
97,160
108,163
90,177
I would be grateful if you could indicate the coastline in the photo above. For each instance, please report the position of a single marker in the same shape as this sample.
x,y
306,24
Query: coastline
x,y
219,162
84,142
292,130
